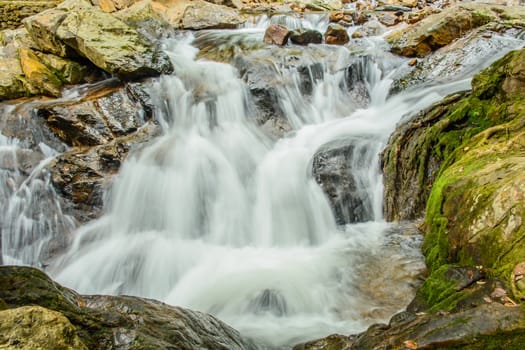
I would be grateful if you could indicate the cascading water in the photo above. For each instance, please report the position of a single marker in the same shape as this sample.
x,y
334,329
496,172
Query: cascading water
x,y
219,216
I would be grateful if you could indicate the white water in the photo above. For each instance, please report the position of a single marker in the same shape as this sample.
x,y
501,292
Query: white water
x,y
218,217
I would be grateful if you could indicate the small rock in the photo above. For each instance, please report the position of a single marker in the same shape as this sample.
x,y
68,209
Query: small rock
x,y
276,34
498,293
357,35
336,35
306,36
388,19
412,62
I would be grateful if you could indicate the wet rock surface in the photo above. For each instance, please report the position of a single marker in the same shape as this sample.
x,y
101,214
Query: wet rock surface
x,y
441,29
332,169
103,322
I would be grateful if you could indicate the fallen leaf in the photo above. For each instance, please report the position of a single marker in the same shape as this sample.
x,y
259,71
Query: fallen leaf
x,y
410,344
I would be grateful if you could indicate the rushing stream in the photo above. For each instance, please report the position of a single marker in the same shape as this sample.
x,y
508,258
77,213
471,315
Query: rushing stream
x,y
219,216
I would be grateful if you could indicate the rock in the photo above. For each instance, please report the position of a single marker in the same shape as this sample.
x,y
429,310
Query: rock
x,y
35,327
276,34
476,328
306,36
107,42
468,153
404,3
321,5
456,60
82,176
357,35
332,169
113,113
11,79
518,280
388,19
336,35
113,5
334,341
204,15
409,169
439,29
41,79
104,128
12,12
115,322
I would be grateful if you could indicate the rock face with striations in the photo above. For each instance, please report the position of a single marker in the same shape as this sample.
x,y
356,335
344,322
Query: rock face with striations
x,y
98,321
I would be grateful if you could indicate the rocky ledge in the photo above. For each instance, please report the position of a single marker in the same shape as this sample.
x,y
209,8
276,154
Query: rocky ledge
x,y
460,164
36,312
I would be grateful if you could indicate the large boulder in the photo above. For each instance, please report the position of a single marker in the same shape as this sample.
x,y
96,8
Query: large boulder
x,y
441,29
35,327
103,322
77,28
471,156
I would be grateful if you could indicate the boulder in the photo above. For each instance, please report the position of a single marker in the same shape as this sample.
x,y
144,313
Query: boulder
x,y
336,35
41,79
472,52
109,322
82,176
306,36
471,157
204,15
102,129
12,12
441,29
276,34
332,170
109,43
35,327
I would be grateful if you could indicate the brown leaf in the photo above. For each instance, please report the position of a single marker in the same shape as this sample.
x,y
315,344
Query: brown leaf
x,y
410,344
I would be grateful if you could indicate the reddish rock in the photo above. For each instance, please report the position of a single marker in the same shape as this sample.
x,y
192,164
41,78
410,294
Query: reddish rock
x,y
276,34
336,35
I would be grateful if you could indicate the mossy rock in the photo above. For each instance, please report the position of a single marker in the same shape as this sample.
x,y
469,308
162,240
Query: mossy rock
x,y
110,322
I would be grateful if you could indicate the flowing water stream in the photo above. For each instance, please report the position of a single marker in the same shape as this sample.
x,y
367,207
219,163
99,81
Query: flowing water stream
x,y
218,216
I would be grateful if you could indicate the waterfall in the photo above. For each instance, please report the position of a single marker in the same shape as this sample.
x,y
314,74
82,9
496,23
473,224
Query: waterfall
x,y
218,216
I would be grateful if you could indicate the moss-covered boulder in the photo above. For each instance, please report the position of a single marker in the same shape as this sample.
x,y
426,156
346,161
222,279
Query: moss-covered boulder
x,y
12,12
441,29
77,28
104,322
37,328
470,153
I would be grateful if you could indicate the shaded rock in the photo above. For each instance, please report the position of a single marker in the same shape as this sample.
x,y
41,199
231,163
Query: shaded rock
x,y
82,176
332,169
321,5
439,29
107,42
117,322
336,34
409,165
204,15
334,341
35,327
111,114
306,36
476,328
276,34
